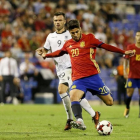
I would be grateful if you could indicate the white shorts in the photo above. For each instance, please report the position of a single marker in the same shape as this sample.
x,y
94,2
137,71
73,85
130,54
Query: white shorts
x,y
65,76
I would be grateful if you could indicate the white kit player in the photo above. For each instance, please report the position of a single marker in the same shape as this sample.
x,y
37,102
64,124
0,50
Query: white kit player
x,y
55,41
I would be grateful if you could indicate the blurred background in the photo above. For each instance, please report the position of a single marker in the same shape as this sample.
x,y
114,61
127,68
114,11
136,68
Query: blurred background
x,y
25,24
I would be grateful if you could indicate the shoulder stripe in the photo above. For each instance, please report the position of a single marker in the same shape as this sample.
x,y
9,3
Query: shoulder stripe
x,y
100,44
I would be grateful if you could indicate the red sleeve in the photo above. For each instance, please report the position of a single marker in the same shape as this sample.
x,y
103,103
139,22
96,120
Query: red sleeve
x,y
127,56
112,48
98,43
57,53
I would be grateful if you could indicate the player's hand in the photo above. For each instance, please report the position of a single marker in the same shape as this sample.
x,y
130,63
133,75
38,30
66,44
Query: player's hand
x,y
130,53
43,55
39,51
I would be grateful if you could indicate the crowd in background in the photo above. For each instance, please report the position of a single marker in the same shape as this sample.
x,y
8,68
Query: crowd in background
x,y
25,24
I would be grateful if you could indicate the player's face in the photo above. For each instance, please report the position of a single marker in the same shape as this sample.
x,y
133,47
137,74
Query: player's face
x,y
59,22
75,34
137,37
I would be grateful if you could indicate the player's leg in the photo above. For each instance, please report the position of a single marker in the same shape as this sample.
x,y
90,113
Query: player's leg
x,y
86,106
130,85
62,89
107,99
128,100
83,102
75,96
139,102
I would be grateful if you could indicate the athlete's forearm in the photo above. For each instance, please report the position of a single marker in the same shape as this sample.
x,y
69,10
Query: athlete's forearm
x,y
55,54
112,48
125,65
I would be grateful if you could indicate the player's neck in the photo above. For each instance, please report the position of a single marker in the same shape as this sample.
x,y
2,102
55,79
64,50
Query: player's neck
x,y
138,45
60,31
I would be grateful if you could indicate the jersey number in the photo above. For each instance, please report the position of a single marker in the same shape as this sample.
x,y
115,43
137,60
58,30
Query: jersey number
x,y
59,42
75,52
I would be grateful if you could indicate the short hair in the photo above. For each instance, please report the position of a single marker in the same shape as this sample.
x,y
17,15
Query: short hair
x,y
59,14
73,24
138,31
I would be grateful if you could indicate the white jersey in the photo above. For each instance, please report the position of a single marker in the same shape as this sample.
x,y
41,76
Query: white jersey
x,y
55,42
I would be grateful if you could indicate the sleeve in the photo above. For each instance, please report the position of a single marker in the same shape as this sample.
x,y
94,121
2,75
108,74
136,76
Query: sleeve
x,y
112,48
57,53
127,56
97,43
47,43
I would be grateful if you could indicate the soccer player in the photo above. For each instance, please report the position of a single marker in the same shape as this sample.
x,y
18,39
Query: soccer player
x,y
82,50
133,76
55,41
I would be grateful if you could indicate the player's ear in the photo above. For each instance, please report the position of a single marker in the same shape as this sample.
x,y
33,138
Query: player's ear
x,y
65,21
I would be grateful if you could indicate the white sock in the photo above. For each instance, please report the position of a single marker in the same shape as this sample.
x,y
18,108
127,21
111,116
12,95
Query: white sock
x,y
86,106
67,105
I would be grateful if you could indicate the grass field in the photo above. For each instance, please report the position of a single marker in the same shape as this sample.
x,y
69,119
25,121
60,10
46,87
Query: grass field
x,y
46,122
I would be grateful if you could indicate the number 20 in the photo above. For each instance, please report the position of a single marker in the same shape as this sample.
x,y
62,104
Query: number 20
x,y
75,52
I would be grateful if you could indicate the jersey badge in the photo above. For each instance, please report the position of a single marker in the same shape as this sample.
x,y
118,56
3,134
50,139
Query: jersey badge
x,y
70,46
137,57
82,44
66,37
129,84
74,86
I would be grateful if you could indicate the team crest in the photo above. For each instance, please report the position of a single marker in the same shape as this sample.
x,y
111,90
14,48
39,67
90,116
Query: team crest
x,y
129,84
66,38
137,57
74,86
70,46
82,44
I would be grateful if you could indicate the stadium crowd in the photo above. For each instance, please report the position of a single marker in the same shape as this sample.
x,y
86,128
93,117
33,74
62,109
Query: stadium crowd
x,y
25,24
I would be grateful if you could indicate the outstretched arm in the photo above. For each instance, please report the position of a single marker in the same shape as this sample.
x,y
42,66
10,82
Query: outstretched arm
x,y
54,54
115,49
112,48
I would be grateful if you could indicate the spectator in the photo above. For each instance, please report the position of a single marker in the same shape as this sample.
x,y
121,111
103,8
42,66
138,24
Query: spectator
x,y
8,75
81,5
37,6
100,34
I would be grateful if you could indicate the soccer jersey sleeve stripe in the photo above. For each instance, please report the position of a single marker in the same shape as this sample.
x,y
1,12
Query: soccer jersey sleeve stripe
x,y
100,44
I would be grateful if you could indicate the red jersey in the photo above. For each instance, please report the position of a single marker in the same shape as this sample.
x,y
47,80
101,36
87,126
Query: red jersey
x,y
82,54
134,62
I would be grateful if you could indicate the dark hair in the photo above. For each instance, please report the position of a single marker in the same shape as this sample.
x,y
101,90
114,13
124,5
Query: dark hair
x,y
59,14
73,24
138,31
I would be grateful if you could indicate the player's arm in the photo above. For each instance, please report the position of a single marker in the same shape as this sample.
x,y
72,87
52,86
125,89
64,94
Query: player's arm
x,y
125,68
108,47
41,50
54,54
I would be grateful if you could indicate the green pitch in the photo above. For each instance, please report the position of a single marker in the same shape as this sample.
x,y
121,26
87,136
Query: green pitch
x,y
46,122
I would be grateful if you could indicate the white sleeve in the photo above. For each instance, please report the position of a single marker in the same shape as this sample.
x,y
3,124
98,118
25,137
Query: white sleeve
x,y
47,44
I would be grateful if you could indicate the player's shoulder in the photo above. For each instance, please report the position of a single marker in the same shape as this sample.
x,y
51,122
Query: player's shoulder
x,y
51,35
89,35
130,46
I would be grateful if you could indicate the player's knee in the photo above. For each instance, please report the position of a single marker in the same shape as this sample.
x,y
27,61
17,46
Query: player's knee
x,y
109,102
60,91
